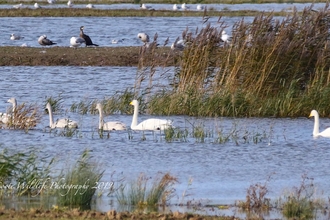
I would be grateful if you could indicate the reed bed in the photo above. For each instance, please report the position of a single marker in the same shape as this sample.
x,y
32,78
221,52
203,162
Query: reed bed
x,y
270,67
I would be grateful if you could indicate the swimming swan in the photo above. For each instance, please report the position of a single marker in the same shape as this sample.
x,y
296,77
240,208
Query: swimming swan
x,y
149,124
60,123
316,132
4,117
111,125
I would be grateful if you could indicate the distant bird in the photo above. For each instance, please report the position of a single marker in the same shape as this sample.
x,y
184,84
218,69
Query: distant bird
x,y
316,130
199,7
18,6
176,7
184,6
86,38
178,45
144,6
76,41
36,6
90,6
24,45
51,1
43,41
114,41
143,37
70,4
225,37
16,37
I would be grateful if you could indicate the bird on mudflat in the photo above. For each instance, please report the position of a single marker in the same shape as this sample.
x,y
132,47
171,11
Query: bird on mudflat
x,y
87,39
76,41
43,41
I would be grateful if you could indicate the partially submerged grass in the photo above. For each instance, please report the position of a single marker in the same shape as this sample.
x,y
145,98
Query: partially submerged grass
x,y
80,183
140,194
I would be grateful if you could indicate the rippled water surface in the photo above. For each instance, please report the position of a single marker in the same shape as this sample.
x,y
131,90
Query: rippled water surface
x,y
220,173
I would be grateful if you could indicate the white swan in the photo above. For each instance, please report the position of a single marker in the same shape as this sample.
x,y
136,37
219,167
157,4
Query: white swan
x,y
60,123
149,124
90,6
316,132
16,37
111,125
4,117
76,41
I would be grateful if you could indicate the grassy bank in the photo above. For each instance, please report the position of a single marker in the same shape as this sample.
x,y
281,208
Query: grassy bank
x,y
65,56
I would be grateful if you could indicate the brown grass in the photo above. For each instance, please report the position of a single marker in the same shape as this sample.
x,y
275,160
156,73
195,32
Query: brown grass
x,y
65,56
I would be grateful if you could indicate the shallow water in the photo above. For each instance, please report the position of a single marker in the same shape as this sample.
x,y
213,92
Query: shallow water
x,y
220,173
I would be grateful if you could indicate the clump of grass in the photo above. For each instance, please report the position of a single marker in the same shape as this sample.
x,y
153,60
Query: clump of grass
x,y
300,203
55,103
24,117
80,182
140,194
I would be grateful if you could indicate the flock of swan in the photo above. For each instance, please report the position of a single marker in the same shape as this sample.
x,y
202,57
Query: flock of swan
x,y
148,124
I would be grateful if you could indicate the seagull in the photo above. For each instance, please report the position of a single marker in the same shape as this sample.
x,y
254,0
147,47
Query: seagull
x,y
86,38
90,6
114,41
36,5
144,6
225,37
176,7
18,6
143,37
51,1
70,4
184,7
199,7
43,41
178,45
76,41
15,37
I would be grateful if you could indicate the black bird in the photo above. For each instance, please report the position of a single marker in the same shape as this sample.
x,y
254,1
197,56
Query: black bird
x,y
86,38
44,41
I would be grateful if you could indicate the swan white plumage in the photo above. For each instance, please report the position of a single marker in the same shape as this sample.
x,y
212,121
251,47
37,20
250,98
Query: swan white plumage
x,y
76,41
149,124
16,37
110,125
36,5
316,131
60,123
4,117
90,6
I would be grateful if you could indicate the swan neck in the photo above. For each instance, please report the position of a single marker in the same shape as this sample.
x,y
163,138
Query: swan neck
x,y
51,120
101,122
135,115
316,125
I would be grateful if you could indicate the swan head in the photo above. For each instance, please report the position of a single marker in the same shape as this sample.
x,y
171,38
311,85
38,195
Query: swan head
x,y
313,113
134,102
12,100
98,106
